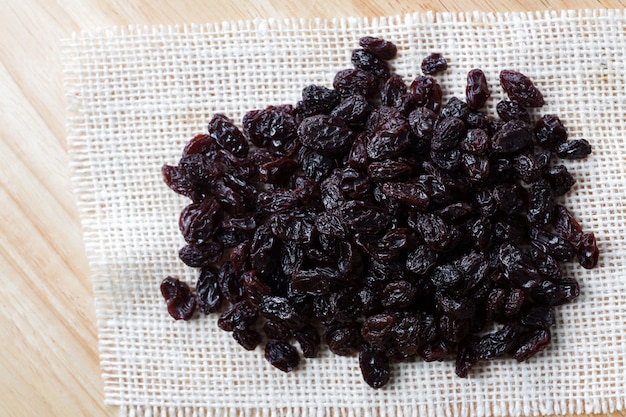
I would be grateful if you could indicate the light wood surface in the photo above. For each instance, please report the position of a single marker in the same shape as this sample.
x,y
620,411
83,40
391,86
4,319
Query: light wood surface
x,y
48,340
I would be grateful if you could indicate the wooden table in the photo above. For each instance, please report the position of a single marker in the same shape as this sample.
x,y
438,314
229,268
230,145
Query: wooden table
x,y
48,340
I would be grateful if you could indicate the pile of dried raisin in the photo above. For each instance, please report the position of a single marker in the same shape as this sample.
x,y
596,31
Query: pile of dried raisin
x,y
376,220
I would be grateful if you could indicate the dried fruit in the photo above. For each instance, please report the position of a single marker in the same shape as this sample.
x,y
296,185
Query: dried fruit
x,y
181,302
520,89
477,90
388,224
434,63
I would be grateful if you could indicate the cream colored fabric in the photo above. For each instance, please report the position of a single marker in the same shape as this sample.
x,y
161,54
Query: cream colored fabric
x,y
137,94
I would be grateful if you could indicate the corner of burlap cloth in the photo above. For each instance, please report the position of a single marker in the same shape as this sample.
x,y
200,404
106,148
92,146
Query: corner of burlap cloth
x,y
137,94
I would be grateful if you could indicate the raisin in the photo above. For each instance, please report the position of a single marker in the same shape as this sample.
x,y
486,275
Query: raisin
x,y
398,294
422,122
379,47
279,309
353,109
552,244
476,142
477,90
427,92
388,170
281,355
466,358
309,340
540,203
560,179
272,127
316,99
240,315
496,344
374,367
199,221
393,91
434,63
367,61
355,81
455,107
566,225
201,255
531,343
555,293
550,132
448,132
520,89
508,110
587,251
574,149
181,302
476,168
390,135
249,339
512,137
325,135
208,291
228,136
411,194
343,339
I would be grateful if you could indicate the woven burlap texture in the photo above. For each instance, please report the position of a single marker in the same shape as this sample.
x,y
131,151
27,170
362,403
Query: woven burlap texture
x,y
137,94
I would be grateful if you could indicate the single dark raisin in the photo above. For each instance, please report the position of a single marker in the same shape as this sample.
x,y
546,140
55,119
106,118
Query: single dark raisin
x,y
279,309
374,367
240,315
325,135
434,63
249,339
379,47
550,132
393,91
181,302
208,291
309,340
398,294
389,136
574,149
509,110
512,137
353,109
448,132
377,330
228,136
476,141
520,89
455,107
316,99
427,92
355,81
365,60
588,252
272,127
477,90
282,355
199,221
531,343
560,179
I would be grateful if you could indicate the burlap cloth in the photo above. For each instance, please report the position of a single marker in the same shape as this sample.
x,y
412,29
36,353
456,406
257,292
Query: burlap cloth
x,y
137,94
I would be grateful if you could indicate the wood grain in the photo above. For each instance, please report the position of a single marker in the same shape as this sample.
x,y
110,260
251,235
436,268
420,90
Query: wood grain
x,y
48,341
